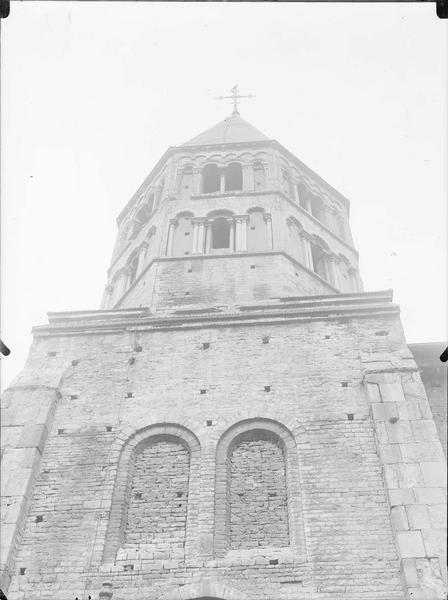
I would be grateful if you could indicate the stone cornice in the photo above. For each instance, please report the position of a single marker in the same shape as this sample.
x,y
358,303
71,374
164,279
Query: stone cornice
x,y
276,310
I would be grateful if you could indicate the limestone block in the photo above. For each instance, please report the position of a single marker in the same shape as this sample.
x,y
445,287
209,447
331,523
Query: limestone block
x,y
410,571
401,497
392,392
373,392
389,453
421,451
33,436
8,531
429,575
434,473
409,475
10,435
424,430
410,544
418,516
17,483
437,515
384,410
435,542
399,432
430,495
399,519
409,410
11,509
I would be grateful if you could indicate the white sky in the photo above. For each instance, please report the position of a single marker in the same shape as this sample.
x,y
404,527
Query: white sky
x,y
93,93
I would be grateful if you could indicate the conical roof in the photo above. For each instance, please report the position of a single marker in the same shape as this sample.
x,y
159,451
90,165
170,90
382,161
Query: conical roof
x,y
232,130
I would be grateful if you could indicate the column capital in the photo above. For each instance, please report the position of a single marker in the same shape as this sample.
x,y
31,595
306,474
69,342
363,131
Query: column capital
x,y
241,218
267,217
174,222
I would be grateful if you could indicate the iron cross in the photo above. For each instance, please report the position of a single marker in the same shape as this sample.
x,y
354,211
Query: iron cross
x,y
235,97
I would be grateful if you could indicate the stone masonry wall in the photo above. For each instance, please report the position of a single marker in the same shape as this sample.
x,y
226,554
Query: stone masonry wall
x,y
309,376
258,503
235,279
158,498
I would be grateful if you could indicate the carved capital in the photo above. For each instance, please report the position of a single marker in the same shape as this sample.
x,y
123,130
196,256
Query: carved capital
x,y
174,222
267,217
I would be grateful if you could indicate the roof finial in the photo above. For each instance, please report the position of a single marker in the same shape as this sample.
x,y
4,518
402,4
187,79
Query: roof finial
x,y
235,97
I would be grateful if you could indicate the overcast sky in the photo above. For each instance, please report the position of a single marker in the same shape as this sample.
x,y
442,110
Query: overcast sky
x,y
93,93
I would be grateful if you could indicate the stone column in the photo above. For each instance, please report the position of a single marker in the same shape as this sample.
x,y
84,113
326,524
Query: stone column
x,y
222,181
269,236
241,233
295,193
333,271
248,178
141,258
169,244
196,185
307,250
327,217
208,236
194,245
232,235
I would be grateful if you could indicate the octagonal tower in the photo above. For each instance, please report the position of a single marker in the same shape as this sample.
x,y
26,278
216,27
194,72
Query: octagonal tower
x,y
231,217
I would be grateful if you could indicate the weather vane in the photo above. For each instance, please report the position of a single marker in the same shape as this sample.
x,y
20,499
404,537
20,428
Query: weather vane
x,y
235,97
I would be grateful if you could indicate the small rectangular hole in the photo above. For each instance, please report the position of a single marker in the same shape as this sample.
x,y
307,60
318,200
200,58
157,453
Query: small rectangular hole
x,y
138,496
179,494
131,361
266,339
187,293
350,416
273,561
327,337
206,345
209,423
203,391
344,384
128,567
52,353
61,431
22,570
381,333
130,395
73,397
190,271
108,428
252,266
138,349
39,519
74,363
267,388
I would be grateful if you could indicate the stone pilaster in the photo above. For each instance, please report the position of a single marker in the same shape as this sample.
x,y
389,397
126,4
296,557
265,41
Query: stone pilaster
x,y
414,472
171,229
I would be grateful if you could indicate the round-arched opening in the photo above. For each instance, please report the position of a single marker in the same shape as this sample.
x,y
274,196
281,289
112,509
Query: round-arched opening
x,y
234,177
220,233
210,179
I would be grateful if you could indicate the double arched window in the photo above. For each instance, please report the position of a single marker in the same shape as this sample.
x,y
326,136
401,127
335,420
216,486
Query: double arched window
x,y
157,493
229,179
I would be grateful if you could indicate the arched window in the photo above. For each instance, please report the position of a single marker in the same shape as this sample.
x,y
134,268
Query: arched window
x,y
132,268
183,235
256,230
210,179
286,184
234,177
186,183
259,176
150,203
257,486
317,206
220,233
319,261
152,496
139,220
158,495
302,193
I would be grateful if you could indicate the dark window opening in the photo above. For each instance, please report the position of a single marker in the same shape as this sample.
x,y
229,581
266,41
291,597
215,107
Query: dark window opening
x,y
220,233
234,177
210,179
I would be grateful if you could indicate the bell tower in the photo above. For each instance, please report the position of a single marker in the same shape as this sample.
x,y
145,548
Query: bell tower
x,y
231,217
240,421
